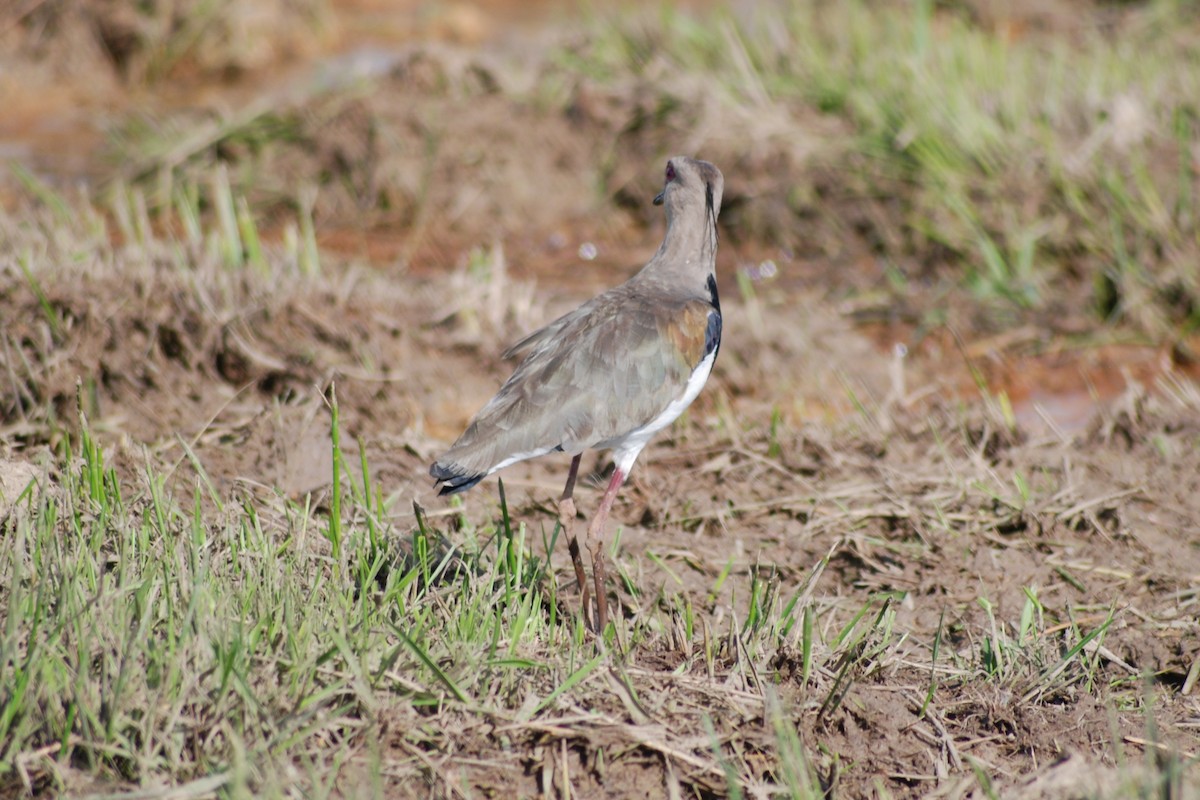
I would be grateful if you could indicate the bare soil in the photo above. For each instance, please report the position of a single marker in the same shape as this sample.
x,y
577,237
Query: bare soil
x,y
899,467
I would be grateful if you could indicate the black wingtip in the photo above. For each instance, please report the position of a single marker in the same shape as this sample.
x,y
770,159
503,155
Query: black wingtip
x,y
453,479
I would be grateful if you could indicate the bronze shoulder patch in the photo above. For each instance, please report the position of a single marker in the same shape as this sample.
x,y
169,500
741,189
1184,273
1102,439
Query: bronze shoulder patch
x,y
689,331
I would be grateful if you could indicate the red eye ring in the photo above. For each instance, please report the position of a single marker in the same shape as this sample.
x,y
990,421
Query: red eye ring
x,y
670,172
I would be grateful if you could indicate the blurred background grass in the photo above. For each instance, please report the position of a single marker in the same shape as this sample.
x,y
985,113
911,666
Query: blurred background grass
x,y
1038,162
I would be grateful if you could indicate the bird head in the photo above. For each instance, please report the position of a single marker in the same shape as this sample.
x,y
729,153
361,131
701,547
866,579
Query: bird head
x,y
690,183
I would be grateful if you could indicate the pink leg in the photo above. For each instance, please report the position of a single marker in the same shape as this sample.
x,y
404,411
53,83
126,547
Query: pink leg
x,y
596,546
566,520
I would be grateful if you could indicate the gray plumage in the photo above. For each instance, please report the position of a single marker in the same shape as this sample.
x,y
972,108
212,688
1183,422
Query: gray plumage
x,y
598,376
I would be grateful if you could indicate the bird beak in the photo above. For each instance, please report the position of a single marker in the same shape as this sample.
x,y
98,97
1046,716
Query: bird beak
x,y
658,201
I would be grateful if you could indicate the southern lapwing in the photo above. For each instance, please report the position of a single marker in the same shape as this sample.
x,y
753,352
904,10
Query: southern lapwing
x,y
613,372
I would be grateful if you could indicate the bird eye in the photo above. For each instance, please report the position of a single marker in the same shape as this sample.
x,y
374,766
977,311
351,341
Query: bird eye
x,y
670,172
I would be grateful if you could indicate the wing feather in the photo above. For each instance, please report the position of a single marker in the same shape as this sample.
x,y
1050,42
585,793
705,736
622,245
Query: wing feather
x,y
593,375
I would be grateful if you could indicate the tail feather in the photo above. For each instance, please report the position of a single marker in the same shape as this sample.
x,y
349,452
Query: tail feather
x,y
453,478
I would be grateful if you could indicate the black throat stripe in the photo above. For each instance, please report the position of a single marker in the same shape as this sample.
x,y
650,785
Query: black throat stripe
x,y
712,334
713,298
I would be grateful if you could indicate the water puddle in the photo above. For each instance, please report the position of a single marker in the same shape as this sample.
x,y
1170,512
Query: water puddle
x,y
1064,392
1061,392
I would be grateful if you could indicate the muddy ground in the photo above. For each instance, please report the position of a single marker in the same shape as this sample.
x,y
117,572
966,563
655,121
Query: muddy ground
x,y
815,436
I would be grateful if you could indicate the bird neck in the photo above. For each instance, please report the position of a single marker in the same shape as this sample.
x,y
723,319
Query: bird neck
x,y
688,254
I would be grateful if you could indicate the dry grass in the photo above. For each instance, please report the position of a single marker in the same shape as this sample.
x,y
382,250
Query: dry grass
x,y
149,42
